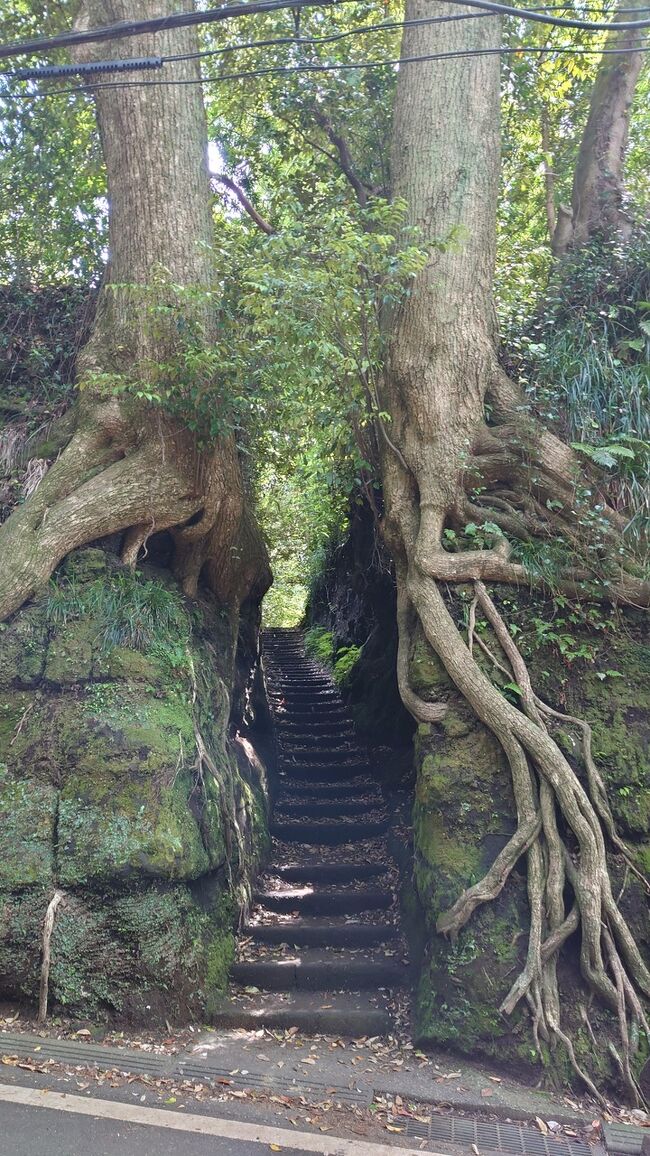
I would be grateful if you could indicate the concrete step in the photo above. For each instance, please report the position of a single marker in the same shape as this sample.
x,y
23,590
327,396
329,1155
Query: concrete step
x,y
298,712
332,932
314,729
316,970
341,772
315,753
335,873
315,791
327,834
314,808
307,901
311,1013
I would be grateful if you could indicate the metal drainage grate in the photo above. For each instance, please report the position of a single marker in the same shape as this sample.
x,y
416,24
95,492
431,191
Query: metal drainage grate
x,y
495,1136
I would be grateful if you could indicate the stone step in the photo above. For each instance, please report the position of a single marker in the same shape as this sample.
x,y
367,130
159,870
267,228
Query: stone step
x,y
341,772
310,808
327,713
316,729
316,970
332,932
314,791
348,871
305,699
304,688
318,754
313,1014
307,901
327,834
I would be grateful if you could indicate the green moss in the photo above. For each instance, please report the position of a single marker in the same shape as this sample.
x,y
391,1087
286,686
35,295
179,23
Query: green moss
x,y
220,956
440,850
70,654
22,648
27,827
125,829
86,565
99,793
132,665
15,709
427,675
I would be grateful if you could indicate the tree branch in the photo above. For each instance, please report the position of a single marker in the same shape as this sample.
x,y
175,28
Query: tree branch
x,y
247,205
345,158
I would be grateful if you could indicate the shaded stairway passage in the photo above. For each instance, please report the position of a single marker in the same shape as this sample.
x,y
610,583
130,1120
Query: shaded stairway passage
x,y
321,950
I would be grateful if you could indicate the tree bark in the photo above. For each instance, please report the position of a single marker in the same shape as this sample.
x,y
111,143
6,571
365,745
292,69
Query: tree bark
x,y
597,198
450,451
131,466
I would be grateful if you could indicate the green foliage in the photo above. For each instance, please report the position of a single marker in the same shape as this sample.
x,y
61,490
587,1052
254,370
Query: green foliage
x,y
344,663
128,611
584,359
319,644
53,211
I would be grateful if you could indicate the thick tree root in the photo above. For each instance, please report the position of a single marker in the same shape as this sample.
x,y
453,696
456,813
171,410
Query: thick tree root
x,y
545,787
48,928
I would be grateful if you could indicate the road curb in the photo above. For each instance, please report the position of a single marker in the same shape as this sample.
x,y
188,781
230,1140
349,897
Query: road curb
x,y
619,1139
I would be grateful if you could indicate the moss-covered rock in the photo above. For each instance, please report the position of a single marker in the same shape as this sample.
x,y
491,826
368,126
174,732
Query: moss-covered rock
x,y
464,813
70,654
28,811
102,795
23,643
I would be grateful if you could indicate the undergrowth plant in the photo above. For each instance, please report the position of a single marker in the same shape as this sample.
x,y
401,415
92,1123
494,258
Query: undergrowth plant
x,y
127,610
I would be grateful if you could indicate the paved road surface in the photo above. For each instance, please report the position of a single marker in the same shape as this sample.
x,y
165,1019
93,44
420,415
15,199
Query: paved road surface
x,y
39,1132
40,1122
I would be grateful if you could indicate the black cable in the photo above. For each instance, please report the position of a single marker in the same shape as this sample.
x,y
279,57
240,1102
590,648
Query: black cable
x,y
257,7
272,42
127,28
331,38
362,30
644,46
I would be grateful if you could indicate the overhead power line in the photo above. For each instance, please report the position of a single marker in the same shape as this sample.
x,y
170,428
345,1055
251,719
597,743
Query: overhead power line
x,y
507,50
361,30
257,7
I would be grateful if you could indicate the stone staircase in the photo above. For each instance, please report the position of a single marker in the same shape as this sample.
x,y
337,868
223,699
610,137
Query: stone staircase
x,y
321,950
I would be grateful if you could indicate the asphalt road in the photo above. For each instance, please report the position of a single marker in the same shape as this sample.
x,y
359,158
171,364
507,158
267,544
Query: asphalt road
x,y
40,1121
26,1131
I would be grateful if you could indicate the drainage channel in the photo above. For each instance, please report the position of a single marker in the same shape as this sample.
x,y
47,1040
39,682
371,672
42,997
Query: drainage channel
x,y
488,1137
494,1136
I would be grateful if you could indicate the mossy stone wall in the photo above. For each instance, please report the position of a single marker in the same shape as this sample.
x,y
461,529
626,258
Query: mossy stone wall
x,y
463,815
101,795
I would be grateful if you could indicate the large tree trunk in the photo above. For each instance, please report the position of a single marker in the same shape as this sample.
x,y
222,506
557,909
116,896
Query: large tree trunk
x,y
131,466
597,198
452,457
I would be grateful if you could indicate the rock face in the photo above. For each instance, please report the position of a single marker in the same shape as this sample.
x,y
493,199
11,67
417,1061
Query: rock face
x,y
464,813
109,684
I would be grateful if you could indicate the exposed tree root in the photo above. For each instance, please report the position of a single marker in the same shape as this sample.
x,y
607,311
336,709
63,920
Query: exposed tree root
x,y
48,928
545,787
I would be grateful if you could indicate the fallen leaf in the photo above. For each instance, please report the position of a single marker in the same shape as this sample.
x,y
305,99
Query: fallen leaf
x,y
275,1147
541,1125
487,1092
475,1150
392,1128
496,1079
